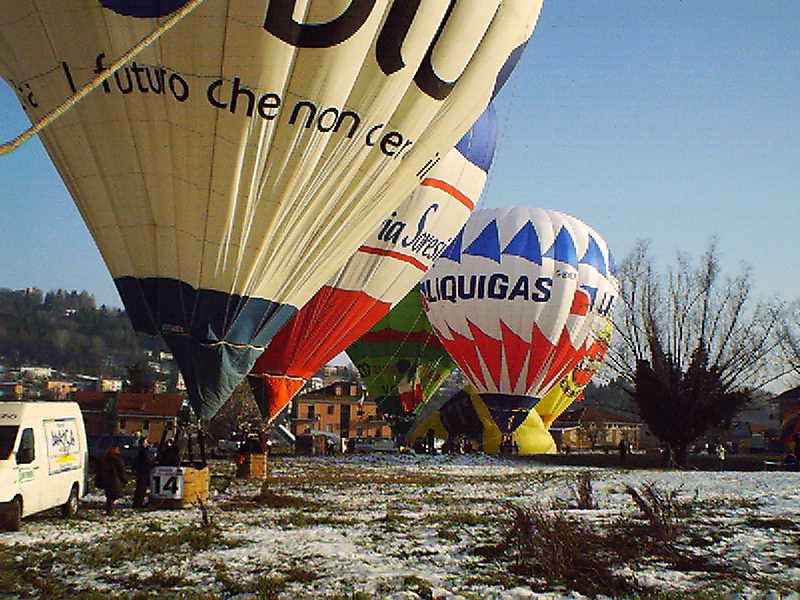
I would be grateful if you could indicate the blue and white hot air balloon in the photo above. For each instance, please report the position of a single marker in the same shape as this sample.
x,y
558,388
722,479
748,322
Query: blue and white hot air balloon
x,y
517,300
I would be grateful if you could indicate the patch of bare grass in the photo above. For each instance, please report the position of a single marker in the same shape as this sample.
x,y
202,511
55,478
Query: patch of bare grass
x,y
271,499
463,518
773,523
340,476
302,519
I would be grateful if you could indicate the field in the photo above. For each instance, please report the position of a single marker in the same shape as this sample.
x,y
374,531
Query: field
x,y
408,527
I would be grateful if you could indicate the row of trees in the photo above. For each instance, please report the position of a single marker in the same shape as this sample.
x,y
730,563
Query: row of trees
x,y
691,346
67,331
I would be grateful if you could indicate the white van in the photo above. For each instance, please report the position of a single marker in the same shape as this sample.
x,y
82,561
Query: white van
x,y
43,459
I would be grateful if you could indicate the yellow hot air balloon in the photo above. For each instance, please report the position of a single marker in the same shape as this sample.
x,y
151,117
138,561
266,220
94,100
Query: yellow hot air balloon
x,y
466,414
245,148
571,386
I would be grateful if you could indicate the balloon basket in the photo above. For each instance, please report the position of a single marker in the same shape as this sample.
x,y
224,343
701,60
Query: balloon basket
x,y
254,466
179,487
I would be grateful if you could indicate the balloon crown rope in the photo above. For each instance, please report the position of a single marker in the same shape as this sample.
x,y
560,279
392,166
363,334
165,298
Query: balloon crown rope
x,y
70,102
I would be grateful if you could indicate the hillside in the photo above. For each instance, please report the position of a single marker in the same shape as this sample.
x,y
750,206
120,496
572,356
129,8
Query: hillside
x,y
67,331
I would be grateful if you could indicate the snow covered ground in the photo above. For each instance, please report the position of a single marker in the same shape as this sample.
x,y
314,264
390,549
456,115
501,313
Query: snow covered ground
x,y
403,527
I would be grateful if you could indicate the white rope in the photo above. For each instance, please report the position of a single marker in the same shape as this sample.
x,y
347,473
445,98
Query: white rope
x,y
62,108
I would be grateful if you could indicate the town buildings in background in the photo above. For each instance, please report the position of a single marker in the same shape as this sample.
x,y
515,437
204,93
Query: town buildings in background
x,y
593,428
339,410
140,414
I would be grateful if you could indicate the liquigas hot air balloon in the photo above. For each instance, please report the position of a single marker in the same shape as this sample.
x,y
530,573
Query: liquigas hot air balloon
x,y
400,360
514,300
242,150
571,386
385,267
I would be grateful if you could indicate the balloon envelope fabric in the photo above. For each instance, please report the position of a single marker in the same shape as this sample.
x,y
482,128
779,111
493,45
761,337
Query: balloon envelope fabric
x,y
570,387
385,267
400,359
515,299
230,168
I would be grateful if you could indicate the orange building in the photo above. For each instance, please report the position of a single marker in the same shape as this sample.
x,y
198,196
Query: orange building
x,y
340,409
126,412
595,428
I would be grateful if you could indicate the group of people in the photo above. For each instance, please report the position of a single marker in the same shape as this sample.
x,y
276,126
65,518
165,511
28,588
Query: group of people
x,y
458,444
509,446
111,475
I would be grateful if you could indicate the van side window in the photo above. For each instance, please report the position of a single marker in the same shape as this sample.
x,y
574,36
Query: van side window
x,y
26,443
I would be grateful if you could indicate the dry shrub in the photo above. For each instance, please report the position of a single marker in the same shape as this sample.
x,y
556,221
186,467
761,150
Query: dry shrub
x,y
581,488
205,517
554,547
660,508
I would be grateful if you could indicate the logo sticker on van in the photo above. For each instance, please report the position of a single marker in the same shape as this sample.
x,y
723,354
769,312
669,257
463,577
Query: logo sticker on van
x,y
63,445
25,474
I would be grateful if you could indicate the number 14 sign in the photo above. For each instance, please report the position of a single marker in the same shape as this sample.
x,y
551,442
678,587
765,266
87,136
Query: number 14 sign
x,y
166,483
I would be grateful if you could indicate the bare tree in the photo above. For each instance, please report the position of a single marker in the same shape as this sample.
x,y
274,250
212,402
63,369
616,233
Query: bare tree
x,y
790,338
696,344
238,410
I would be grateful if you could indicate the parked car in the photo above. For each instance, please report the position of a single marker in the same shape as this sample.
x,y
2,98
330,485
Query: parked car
x,y
42,459
365,445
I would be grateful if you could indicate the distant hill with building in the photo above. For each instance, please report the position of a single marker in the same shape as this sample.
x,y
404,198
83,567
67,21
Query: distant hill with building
x,y
67,331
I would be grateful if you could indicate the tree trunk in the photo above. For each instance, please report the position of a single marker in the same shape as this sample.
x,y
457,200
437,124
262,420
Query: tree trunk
x,y
679,454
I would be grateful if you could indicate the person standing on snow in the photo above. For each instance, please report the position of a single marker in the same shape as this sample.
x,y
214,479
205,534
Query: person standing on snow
x,y
142,465
721,454
623,451
113,477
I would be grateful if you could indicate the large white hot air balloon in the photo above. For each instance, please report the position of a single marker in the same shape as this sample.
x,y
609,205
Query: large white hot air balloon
x,y
517,300
233,165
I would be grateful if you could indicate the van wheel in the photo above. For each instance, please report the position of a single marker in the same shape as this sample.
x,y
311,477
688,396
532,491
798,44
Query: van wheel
x,y
13,516
70,507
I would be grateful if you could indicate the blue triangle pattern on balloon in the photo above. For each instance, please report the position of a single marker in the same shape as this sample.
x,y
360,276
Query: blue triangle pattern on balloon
x,y
563,249
453,251
594,257
525,244
612,265
487,244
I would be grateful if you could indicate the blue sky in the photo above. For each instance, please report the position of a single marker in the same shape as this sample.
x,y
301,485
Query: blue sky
x,y
660,119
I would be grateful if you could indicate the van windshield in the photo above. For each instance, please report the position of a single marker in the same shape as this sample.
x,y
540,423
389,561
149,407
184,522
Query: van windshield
x,y
8,434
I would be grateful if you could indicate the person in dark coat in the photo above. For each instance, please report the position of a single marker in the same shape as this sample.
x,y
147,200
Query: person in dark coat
x,y
170,455
113,476
142,465
623,451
